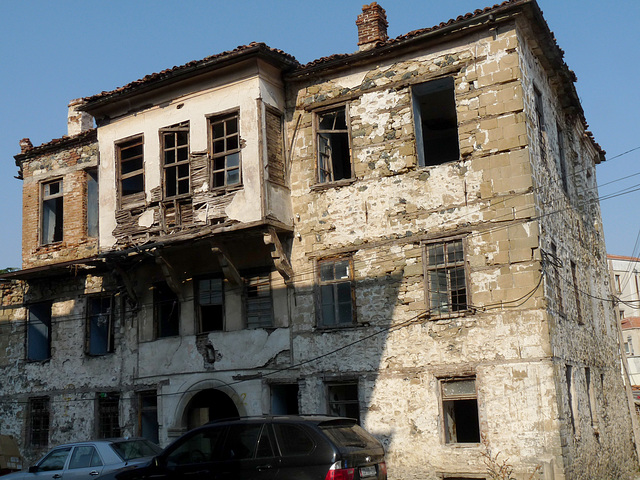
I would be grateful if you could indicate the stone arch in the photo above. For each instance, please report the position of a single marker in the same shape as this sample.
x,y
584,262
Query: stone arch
x,y
201,394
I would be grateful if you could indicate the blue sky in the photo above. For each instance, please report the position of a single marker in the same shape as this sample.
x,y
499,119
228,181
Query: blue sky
x,y
55,51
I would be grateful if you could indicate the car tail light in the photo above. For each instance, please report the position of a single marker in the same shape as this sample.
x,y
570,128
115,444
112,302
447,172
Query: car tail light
x,y
338,473
383,469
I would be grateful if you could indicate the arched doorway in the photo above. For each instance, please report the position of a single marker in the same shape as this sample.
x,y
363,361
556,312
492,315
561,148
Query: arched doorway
x,y
208,405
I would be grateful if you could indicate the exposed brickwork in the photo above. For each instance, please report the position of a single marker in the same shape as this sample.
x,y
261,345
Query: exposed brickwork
x,y
372,26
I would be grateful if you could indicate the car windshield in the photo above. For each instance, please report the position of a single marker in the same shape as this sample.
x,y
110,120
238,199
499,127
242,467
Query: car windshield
x,y
131,449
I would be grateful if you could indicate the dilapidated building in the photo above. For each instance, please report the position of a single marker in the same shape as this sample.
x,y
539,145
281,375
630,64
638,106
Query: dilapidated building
x,y
409,234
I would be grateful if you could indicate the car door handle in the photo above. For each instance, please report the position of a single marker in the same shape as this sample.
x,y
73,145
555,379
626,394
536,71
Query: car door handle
x,y
93,473
57,475
264,467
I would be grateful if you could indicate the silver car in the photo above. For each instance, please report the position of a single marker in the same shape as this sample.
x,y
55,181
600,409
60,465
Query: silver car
x,y
88,460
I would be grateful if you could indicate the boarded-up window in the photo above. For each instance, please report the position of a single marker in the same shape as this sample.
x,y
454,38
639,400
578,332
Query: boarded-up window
x,y
259,304
39,331
52,210
275,146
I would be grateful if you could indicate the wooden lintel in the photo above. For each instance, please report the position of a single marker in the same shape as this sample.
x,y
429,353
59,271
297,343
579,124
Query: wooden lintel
x,y
228,268
278,256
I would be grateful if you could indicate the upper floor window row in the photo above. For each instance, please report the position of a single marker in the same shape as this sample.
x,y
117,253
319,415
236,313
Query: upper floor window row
x,y
225,146
435,126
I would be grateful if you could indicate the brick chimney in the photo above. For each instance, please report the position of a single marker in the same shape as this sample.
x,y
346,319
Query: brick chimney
x,y
25,145
77,120
372,26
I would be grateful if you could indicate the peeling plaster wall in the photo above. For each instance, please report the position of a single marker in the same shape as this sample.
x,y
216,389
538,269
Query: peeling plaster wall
x,y
382,219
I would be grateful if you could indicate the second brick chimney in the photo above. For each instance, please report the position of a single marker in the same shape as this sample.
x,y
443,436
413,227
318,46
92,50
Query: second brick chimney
x,y
77,120
372,26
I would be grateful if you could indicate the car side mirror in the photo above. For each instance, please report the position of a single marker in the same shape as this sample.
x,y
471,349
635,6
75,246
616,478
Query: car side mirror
x,y
33,469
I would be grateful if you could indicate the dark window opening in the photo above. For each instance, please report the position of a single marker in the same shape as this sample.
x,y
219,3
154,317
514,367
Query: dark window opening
x,y
108,415
166,311
576,291
334,157
210,305
39,332
225,151
130,155
556,278
258,301
175,151
100,325
569,380
446,277
436,123
284,399
460,410
92,203
148,416
52,212
562,161
39,421
539,113
343,400
336,292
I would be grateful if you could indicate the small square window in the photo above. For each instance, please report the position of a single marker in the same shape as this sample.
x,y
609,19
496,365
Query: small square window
x,y
335,279
460,410
334,155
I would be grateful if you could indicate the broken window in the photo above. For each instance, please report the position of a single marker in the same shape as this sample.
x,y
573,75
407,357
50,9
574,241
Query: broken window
x,y
92,203
436,124
166,309
284,399
99,325
210,305
39,331
335,278
259,304
148,416
131,166
460,410
52,208
446,277
38,421
343,400
175,161
334,156
225,150
108,415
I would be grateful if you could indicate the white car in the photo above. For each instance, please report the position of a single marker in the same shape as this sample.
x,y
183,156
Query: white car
x,y
88,460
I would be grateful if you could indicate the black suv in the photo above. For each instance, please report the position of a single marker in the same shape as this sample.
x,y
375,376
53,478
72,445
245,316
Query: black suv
x,y
270,448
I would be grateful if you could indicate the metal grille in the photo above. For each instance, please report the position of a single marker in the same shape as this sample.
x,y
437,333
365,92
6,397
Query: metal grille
x,y
39,421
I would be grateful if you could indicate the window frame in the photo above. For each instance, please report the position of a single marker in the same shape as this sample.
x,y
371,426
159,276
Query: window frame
x,y
110,347
146,409
158,289
418,93
197,303
452,398
317,131
320,321
216,119
93,202
343,404
121,177
35,434
57,235
175,130
437,312
106,425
